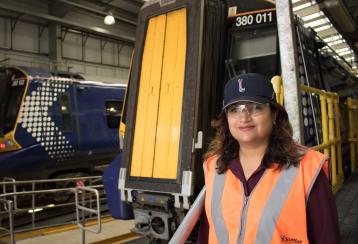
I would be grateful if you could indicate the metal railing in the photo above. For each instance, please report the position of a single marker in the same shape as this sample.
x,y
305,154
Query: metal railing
x,y
331,132
14,198
10,230
82,207
353,131
331,142
38,197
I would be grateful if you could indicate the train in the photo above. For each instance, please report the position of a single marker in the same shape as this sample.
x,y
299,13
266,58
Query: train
x,y
56,124
184,54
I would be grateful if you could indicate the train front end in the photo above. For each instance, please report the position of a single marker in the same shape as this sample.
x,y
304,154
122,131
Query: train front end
x,y
13,86
167,114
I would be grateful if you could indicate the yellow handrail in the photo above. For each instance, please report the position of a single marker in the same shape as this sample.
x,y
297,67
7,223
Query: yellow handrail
x,y
331,133
278,88
353,135
331,144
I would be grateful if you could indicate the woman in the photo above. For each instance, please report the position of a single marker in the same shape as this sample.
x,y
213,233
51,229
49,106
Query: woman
x,y
261,187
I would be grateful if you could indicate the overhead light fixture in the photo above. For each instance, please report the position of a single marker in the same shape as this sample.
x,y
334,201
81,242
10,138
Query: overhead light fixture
x,y
324,27
345,53
319,22
302,6
109,19
344,49
311,16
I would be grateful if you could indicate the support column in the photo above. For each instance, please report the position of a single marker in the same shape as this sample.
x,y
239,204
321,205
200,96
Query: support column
x,y
54,39
289,67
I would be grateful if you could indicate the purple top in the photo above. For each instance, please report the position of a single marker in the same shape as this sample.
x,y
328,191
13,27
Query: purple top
x,y
322,217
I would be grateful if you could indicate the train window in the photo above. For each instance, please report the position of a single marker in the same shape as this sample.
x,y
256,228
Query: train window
x,y
65,109
254,50
12,87
113,111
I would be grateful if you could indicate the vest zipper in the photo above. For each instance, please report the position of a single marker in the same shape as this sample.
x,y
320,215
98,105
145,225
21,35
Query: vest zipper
x,y
243,220
245,207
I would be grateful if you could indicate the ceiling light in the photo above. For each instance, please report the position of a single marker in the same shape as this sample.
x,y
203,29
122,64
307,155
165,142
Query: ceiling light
x,y
109,19
316,23
345,53
302,6
318,29
311,16
332,38
342,50
335,42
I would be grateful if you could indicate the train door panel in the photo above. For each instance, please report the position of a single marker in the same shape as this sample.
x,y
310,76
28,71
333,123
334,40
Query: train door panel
x,y
87,119
98,119
158,122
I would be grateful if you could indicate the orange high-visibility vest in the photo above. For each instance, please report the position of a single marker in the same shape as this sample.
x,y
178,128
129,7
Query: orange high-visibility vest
x,y
275,211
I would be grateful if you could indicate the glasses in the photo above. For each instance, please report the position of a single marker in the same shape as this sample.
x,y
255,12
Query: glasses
x,y
253,109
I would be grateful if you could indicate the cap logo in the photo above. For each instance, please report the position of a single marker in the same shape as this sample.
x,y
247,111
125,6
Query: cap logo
x,y
241,89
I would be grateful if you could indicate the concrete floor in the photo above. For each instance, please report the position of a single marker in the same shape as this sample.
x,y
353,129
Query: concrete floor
x,y
347,205
346,199
109,229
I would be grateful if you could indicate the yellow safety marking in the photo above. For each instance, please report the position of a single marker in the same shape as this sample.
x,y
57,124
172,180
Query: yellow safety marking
x,y
158,116
54,230
171,97
119,239
73,226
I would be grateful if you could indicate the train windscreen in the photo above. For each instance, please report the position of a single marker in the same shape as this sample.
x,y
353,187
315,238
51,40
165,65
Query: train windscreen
x,y
253,50
12,87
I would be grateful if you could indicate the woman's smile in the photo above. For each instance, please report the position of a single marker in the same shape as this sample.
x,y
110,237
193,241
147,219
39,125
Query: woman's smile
x,y
246,128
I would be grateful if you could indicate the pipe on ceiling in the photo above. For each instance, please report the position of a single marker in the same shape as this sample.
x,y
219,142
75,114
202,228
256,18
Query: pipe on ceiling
x,y
97,11
76,25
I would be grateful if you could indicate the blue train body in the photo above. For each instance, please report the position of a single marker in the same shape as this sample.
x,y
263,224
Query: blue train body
x,y
51,126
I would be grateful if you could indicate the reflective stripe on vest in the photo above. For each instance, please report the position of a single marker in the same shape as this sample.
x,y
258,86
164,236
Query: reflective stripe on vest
x,y
274,204
216,211
274,211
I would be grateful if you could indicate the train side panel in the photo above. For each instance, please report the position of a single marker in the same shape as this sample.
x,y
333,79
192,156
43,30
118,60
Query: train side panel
x,y
97,117
59,129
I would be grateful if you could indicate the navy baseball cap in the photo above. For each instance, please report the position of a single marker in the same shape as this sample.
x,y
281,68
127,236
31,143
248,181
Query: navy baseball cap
x,y
249,87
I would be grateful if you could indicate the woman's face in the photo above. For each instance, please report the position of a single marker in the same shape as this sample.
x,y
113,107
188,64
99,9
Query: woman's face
x,y
250,123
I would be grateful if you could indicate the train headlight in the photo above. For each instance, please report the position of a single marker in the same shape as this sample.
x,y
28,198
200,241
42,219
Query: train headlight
x,y
7,143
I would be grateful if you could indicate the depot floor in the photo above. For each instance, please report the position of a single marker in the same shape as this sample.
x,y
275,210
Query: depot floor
x,y
347,205
346,199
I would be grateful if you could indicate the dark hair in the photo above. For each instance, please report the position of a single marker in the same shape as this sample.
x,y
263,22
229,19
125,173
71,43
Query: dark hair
x,y
282,149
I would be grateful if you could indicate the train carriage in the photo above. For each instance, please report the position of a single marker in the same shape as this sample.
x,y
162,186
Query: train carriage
x,y
52,126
